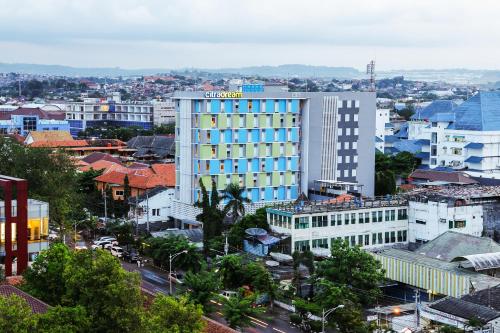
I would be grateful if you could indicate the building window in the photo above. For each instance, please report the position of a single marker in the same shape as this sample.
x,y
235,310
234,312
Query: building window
x,y
346,218
361,218
374,216
119,192
321,243
387,237
353,241
460,224
319,221
393,237
302,222
387,215
393,215
367,217
302,246
420,222
29,124
339,219
402,214
360,240
155,212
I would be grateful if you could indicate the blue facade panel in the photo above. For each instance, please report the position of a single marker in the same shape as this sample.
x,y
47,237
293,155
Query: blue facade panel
x,y
282,106
295,163
243,106
214,136
282,164
281,193
269,164
255,136
242,165
215,106
242,136
294,192
214,167
295,135
228,136
228,106
228,166
270,106
255,165
256,106
255,194
195,166
282,135
196,136
295,106
197,106
195,195
269,135
268,194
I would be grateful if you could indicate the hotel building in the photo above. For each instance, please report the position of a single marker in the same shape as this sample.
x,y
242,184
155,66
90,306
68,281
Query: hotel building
x,y
276,144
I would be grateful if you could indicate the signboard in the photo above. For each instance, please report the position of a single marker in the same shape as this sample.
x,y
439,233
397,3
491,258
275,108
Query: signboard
x,y
223,94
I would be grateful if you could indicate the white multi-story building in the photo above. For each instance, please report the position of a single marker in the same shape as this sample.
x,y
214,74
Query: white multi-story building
x,y
163,112
153,208
466,209
466,137
382,118
367,223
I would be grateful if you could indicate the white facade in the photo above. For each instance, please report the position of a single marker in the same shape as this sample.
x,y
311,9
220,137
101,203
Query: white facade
x,y
375,227
155,208
428,220
163,112
382,118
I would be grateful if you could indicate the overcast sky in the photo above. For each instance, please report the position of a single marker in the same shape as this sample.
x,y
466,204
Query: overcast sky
x,y
398,34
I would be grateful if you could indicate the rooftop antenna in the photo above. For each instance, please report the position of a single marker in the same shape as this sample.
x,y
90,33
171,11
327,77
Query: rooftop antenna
x,y
370,69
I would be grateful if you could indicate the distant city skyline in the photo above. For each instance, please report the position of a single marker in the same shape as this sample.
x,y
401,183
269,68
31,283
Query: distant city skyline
x,y
178,34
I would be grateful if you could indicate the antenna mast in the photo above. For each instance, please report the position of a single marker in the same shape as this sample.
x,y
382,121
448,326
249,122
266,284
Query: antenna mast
x,y
370,70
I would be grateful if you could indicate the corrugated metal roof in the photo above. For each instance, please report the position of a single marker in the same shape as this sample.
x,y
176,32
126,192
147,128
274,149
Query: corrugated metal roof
x,y
474,159
482,261
432,109
463,309
479,113
474,145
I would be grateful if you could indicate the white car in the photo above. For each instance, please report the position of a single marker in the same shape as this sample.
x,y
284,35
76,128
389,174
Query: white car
x,y
228,294
106,238
117,251
105,244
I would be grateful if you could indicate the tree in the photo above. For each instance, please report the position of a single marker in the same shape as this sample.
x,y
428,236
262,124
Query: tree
x,y
237,234
231,271
170,315
353,267
110,295
211,216
236,200
385,182
51,177
238,309
91,197
202,287
15,315
64,320
45,278
160,249
122,230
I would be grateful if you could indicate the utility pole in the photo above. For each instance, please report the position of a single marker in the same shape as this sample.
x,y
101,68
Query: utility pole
x,y
137,215
147,206
105,207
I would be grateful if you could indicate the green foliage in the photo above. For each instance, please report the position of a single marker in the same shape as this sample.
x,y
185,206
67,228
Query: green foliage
x,y
449,329
387,168
122,230
202,287
125,133
91,197
238,309
170,315
160,248
407,112
51,178
236,200
211,216
44,279
237,232
353,267
64,320
15,315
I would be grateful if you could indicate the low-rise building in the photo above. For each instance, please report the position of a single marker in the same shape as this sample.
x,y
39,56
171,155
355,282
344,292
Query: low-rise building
x,y
152,209
374,223
24,120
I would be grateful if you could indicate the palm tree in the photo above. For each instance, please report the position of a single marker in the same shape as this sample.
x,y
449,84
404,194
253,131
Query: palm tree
x,y
236,204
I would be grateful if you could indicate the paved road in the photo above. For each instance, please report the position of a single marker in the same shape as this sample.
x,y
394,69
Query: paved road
x,y
156,281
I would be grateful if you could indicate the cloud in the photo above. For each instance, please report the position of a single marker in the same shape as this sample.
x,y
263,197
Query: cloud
x,y
265,30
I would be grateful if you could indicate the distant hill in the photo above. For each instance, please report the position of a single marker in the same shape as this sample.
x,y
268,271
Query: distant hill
x,y
464,76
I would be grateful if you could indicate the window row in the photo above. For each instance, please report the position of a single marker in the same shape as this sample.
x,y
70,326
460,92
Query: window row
x,y
319,221
380,238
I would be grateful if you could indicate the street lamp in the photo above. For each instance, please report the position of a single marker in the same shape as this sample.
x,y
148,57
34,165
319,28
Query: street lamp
x,y
327,313
172,257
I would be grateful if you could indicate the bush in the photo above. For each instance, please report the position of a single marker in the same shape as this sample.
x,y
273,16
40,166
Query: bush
x,y
295,319
315,325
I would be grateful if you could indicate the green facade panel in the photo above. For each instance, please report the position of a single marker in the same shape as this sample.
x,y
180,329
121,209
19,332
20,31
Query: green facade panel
x,y
235,151
235,179
288,120
205,121
276,120
207,181
275,179
276,149
221,182
249,151
262,179
288,178
222,120
262,120
205,152
221,151
249,120
262,150
288,148
248,180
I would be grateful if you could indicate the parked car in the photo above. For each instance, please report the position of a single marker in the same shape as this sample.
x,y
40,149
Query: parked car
x,y
131,256
105,244
116,251
177,278
80,246
228,293
106,238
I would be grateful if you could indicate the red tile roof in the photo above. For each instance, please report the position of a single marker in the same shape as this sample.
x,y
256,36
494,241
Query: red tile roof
x,y
443,176
59,143
6,115
98,156
36,305
157,175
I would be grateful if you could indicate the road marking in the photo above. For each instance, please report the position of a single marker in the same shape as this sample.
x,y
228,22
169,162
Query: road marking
x,y
258,320
259,324
278,330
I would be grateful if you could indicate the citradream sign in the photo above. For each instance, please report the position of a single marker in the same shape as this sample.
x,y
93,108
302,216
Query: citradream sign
x,y
223,94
